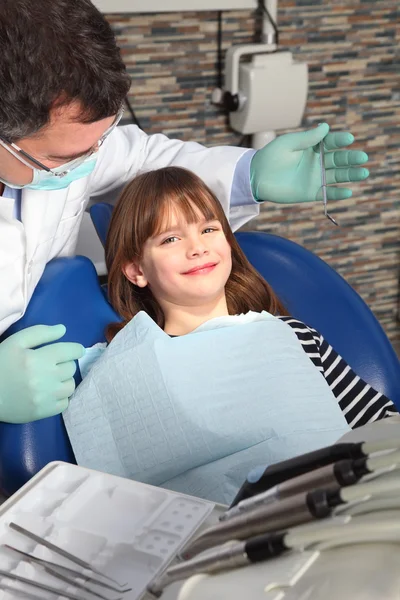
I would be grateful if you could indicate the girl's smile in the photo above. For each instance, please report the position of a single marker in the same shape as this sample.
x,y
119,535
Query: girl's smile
x,y
201,269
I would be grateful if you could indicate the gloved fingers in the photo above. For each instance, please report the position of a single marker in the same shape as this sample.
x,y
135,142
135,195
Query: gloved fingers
x,y
61,406
344,158
62,352
338,139
346,175
58,407
338,193
31,337
305,139
66,389
66,370
60,400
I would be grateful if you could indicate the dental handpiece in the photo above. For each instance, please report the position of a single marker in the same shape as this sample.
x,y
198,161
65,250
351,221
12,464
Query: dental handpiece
x,y
278,516
343,473
327,533
230,556
298,465
295,510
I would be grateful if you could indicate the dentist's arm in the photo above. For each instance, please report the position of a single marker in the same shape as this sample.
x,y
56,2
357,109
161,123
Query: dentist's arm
x,y
129,151
36,383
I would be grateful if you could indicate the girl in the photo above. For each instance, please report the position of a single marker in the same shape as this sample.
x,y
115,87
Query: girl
x,y
205,377
171,253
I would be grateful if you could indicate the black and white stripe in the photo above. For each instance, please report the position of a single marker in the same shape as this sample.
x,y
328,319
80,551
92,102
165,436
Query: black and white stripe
x,y
359,402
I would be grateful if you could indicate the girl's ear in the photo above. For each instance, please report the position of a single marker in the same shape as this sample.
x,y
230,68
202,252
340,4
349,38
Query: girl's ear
x,y
133,272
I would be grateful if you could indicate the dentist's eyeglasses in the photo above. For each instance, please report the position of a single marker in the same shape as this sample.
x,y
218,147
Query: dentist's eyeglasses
x,y
24,157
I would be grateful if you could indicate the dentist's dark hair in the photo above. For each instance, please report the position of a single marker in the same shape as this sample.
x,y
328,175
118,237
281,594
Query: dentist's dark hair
x,y
53,52
140,213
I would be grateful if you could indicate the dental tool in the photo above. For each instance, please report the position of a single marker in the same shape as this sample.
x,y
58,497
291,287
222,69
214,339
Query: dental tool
x,y
41,586
316,536
278,516
341,472
295,510
323,182
75,559
74,583
229,556
345,472
67,570
43,564
18,593
298,465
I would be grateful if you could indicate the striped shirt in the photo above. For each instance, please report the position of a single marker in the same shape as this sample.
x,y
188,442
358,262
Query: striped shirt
x,y
359,402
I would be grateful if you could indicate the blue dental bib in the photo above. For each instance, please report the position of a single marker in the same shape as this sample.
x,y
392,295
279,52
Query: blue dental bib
x,y
196,413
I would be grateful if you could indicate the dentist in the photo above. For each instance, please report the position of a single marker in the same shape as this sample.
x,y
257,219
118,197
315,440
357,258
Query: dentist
x,y
62,88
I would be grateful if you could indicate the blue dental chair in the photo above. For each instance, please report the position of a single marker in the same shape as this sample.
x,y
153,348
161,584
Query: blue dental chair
x,y
69,292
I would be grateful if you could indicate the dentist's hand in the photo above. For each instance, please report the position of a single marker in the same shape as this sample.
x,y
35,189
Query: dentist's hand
x,y
35,384
287,170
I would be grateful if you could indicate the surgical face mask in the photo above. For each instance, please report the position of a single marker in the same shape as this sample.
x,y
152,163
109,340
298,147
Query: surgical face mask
x,y
61,177
47,180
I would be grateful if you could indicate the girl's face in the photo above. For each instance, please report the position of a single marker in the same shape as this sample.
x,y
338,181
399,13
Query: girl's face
x,y
187,264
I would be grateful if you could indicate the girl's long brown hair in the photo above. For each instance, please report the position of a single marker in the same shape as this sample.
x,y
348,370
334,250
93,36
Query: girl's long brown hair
x,y
140,213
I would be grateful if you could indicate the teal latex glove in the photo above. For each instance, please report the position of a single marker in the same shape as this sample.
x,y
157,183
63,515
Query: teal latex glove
x,y
35,384
287,170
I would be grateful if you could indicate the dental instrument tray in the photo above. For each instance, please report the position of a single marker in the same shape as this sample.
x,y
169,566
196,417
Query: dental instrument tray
x,y
127,531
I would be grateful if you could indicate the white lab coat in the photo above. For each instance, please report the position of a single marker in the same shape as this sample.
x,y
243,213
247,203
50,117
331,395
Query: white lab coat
x,y
51,220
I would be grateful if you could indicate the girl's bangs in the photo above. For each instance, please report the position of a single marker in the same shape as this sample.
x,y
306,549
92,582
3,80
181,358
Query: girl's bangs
x,y
191,208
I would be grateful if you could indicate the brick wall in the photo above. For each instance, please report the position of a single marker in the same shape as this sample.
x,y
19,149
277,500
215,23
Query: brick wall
x,y
352,50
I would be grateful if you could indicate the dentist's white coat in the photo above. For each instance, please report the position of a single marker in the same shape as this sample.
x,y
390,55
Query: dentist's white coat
x,y
51,219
